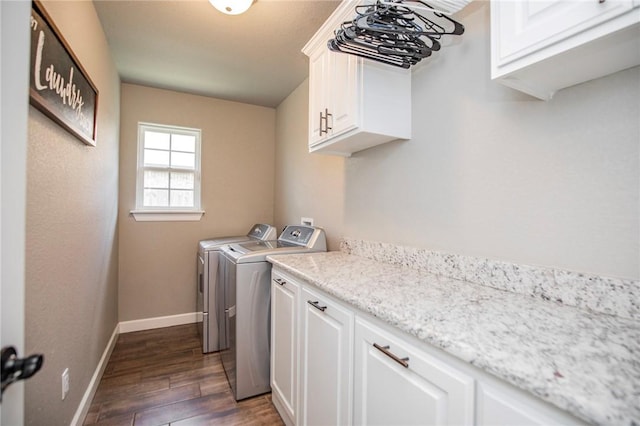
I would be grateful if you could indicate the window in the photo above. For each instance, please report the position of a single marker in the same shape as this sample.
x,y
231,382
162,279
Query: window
x,y
168,180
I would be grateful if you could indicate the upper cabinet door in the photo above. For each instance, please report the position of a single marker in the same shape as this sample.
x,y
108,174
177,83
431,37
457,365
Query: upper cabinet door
x,y
318,80
528,25
539,47
344,92
333,85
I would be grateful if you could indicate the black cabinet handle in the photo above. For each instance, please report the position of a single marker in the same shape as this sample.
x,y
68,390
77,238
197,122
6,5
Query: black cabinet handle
x,y
385,350
316,305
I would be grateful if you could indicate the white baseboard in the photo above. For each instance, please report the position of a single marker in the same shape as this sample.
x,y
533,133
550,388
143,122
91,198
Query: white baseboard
x,y
159,322
85,403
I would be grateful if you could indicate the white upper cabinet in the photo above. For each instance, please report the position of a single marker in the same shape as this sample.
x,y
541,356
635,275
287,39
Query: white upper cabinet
x,y
354,103
539,47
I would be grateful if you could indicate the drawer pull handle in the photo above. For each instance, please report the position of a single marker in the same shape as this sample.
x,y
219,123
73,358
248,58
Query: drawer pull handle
x,y
280,281
316,305
385,350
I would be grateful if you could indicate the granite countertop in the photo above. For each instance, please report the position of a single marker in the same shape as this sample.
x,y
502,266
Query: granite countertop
x,y
585,363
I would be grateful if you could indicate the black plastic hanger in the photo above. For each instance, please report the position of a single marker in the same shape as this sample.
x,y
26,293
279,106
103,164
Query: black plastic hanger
x,y
393,32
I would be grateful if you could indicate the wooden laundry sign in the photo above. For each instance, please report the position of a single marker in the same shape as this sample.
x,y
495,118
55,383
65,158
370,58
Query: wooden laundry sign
x,y
59,86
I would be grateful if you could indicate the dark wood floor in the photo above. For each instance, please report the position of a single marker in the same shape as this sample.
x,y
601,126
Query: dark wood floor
x,y
161,377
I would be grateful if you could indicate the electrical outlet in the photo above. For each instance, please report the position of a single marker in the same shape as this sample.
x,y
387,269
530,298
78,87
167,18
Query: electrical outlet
x,y
65,383
308,221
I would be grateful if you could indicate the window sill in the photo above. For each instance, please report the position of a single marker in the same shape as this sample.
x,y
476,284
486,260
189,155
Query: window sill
x,y
167,215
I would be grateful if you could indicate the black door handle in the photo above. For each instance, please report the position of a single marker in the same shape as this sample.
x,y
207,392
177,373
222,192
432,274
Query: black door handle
x,y
14,368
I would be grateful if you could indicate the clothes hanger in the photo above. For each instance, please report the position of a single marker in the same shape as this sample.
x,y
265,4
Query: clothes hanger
x,y
395,51
335,46
398,16
386,43
393,32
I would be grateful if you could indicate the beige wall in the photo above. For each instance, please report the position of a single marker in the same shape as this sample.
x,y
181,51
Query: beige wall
x,y
71,244
489,171
158,259
306,185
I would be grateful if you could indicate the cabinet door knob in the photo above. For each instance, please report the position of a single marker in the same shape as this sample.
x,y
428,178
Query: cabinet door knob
x,y
316,305
385,350
280,281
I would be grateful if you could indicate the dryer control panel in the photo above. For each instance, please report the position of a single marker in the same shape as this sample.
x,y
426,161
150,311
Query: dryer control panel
x,y
263,232
301,235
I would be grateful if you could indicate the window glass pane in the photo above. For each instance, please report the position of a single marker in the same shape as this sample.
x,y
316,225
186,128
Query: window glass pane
x,y
182,180
156,179
183,143
170,167
180,198
153,157
156,197
156,140
181,159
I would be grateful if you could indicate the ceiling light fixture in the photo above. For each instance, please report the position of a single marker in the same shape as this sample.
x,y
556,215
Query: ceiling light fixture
x,y
232,7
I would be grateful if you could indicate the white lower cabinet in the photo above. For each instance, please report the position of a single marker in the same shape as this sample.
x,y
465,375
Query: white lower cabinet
x,y
501,405
398,384
284,345
332,364
326,356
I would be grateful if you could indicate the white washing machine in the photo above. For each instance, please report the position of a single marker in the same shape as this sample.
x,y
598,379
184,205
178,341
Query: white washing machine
x,y
210,300
245,330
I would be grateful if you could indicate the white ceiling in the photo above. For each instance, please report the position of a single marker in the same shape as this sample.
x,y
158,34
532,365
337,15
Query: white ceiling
x,y
188,46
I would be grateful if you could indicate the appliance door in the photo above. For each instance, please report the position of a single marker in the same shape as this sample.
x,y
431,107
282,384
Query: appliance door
x,y
227,333
210,296
200,296
219,303
250,329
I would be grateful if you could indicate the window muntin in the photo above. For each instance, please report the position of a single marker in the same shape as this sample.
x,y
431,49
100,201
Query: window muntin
x,y
168,168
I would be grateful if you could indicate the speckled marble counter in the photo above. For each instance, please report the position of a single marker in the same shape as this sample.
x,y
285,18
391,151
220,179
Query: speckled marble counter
x,y
585,363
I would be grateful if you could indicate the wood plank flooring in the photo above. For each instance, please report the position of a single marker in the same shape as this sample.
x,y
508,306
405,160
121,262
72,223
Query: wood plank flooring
x,y
160,377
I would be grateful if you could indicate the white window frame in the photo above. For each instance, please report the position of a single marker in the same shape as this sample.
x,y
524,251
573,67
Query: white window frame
x,y
146,213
